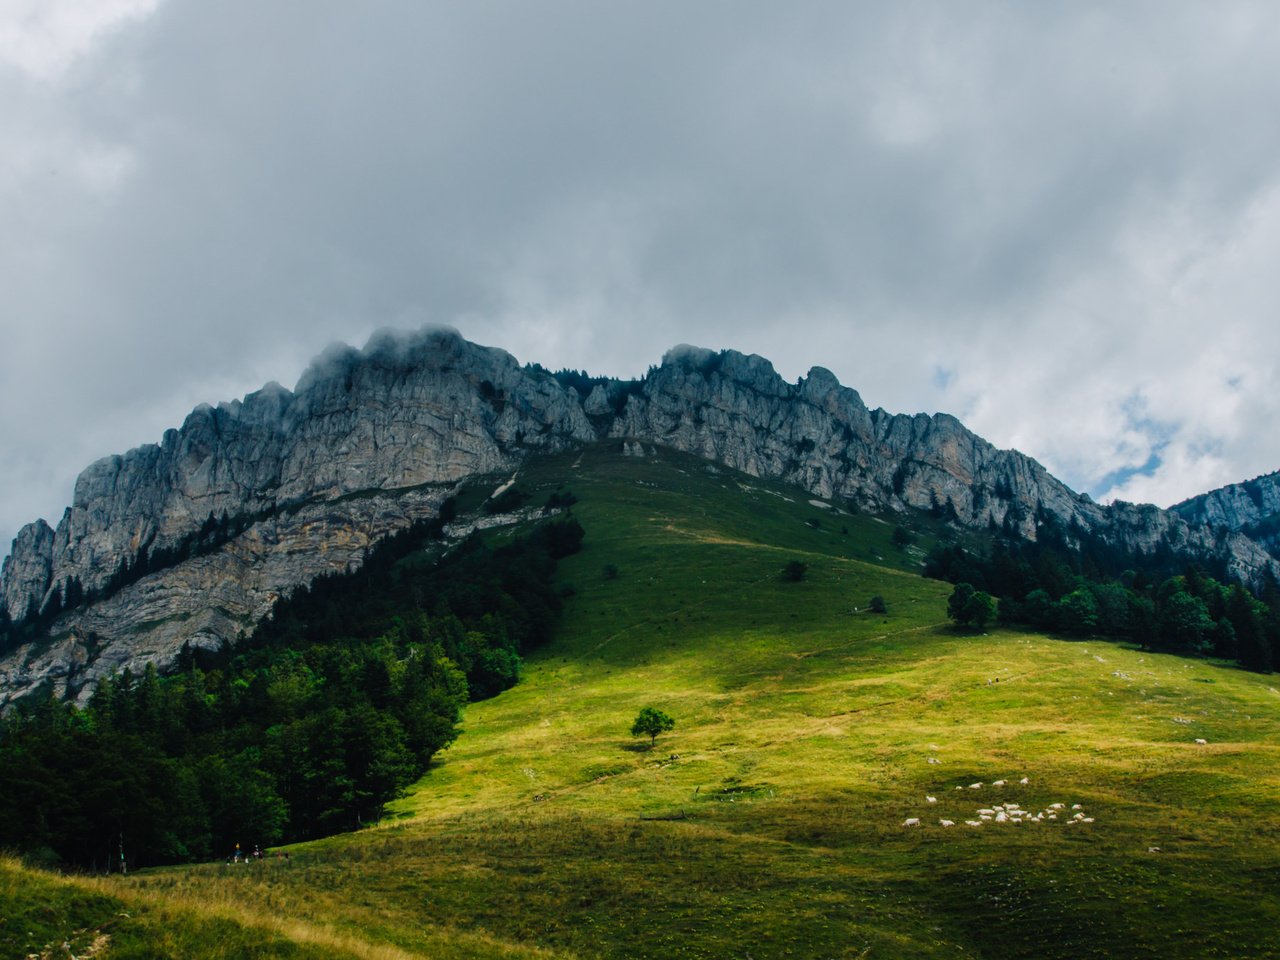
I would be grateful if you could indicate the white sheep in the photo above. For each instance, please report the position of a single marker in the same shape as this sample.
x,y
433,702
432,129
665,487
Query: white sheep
x,y
928,799
984,816
947,823
1201,742
1056,806
975,786
1024,781
1087,820
987,810
1077,806
1078,816
997,783
911,822
973,823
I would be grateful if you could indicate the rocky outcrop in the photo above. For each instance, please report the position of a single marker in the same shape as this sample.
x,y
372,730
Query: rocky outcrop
x,y
28,570
819,435
371,440
1251,508
209,599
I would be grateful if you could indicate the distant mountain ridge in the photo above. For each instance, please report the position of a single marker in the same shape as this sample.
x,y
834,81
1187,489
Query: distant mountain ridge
x,y
1251,508
249,500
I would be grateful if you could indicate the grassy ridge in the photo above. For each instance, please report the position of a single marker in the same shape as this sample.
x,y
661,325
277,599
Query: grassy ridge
x,y
769,823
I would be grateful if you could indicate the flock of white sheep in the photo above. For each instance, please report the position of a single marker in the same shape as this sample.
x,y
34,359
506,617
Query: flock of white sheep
x,y
1011,812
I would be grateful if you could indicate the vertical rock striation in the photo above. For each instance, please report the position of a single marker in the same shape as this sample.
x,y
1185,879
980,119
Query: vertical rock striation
x,y
1251,508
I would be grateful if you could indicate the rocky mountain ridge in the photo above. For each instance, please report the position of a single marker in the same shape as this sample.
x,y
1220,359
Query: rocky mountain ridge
x,y
371,440
1251,508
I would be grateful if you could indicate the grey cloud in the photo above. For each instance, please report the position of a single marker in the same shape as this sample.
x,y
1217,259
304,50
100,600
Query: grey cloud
x,y
1064,206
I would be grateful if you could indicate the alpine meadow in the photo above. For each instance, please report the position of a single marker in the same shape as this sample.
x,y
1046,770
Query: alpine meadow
x,y
843,778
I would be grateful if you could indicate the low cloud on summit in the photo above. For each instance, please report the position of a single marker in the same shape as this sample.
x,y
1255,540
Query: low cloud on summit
x,y
1057,222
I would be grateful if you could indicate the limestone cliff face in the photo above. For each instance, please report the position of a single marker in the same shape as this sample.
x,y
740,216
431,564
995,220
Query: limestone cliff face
x,y
397,424
28,569
372,440
1251,508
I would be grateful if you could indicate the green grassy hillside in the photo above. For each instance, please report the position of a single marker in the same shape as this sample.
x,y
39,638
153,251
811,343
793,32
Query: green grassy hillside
x,y
769,823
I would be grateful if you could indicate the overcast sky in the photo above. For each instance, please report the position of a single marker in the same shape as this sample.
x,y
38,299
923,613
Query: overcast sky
x,y
1060,222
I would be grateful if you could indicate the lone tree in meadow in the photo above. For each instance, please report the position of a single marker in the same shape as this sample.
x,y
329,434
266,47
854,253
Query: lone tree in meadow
x,y
971,608
651,722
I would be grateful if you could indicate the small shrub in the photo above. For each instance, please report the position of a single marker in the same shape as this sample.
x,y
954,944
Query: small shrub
x,y
877,605
794,571
561,499
510,499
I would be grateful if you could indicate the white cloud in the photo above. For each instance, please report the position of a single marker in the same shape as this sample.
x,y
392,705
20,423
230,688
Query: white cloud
x,y
44,38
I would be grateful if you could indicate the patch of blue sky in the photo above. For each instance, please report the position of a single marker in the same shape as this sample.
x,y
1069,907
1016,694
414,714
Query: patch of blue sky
x,y
1117,478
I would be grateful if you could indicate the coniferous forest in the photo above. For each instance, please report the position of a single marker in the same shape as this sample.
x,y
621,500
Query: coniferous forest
x,y
1049,586
335,704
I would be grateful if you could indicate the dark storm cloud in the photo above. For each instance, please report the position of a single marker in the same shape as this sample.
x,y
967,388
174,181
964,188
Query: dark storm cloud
x,y
1068,209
